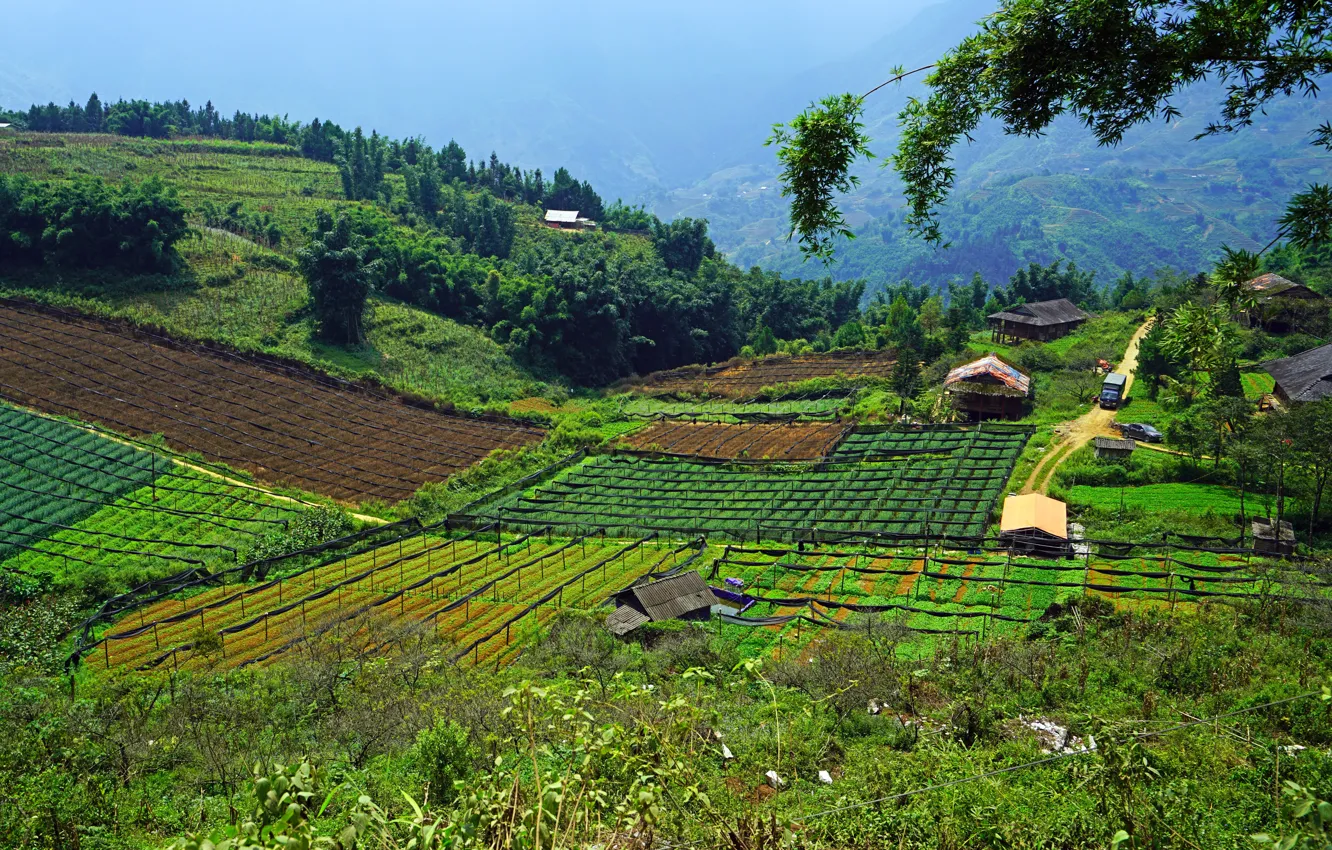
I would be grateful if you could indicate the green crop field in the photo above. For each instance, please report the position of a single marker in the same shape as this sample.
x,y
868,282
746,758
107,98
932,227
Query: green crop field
x,y
97,513
488,596
908,483
1189,498
1257,383
53,473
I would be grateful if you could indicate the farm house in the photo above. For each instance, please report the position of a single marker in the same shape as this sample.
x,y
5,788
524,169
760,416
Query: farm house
x,y
682,597
989,388
1304,377
1284,305
1043,321
568,220
1035,524
1113,448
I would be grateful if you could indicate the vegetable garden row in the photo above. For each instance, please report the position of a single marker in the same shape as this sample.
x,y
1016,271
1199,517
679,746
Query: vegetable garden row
x,y
283,423
85,508
929,483
482,591
791,595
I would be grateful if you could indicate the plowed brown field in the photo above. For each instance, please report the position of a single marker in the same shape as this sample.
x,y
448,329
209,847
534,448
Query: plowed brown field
x,y
284,423
743,378
797,441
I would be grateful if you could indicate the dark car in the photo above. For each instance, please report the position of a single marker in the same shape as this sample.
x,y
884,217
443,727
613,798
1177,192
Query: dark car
x,y
1140,431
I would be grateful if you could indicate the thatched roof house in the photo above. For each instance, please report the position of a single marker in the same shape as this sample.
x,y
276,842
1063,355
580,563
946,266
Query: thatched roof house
x,y
988,388
1284,305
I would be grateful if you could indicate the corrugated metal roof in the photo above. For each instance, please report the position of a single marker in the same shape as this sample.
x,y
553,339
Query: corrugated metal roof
x,y
990,366
1033,510
1304,377
1060,311
674,596
562,216
625,619
1114,444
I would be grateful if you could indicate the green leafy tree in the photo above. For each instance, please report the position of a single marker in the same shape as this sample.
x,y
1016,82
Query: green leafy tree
x,y
339,278
1110,65
850,335
763,341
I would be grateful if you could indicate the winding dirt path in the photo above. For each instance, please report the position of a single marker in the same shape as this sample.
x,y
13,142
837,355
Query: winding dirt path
x,y
1071,436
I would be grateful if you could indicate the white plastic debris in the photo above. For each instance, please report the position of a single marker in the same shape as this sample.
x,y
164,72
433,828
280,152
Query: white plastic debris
x,y
874,706
1055,738
825,777
774,780
726,752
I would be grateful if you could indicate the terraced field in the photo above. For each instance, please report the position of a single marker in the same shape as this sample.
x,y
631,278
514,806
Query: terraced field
x,y
743,378
284,424
485,595
794,441
79,506
926,483
792,596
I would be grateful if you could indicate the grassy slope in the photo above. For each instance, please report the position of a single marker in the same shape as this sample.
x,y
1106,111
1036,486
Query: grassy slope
x,y
238,292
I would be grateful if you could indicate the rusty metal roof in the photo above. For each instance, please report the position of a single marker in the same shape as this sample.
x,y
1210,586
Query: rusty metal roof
x,y
992,368
674,596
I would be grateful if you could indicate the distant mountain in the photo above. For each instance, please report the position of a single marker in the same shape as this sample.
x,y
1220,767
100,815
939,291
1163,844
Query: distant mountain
x,y
1158,199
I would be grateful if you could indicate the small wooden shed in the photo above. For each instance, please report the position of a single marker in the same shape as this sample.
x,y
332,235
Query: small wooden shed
x,y
1113,448
1265,538
1036,525
683,597
988,388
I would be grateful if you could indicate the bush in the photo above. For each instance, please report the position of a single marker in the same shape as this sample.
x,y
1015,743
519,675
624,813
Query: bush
x,y
442,756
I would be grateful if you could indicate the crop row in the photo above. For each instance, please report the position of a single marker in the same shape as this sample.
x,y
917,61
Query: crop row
x,y
739,378
459,588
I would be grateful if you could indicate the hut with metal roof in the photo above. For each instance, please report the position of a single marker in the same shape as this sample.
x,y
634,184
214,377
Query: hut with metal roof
x,y
1267,541
988,388
568,220
683,597
1113,448
1304,377
1035,524
1043,320
1284,305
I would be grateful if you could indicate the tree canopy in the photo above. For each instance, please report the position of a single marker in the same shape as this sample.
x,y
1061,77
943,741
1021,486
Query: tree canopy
x,y
1113,65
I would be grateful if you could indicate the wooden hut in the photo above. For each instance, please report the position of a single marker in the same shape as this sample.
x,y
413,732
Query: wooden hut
x,y
1265,538
1113,448
1304,377
1036,525
683,597
989,388
1043,320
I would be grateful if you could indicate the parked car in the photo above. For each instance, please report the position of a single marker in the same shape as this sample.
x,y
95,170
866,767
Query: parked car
x,y
1141,431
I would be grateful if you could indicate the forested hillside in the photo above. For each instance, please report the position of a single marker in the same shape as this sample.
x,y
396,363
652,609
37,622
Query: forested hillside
x,y
429,229
1157,200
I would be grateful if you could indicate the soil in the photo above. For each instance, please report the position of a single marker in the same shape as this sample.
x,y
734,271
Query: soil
x,y
1070,436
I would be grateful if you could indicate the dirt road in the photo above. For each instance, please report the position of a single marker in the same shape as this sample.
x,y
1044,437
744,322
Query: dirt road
x,y
1071,436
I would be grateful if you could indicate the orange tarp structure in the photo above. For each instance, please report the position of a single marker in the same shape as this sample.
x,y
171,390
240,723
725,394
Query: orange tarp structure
x,y
1035,511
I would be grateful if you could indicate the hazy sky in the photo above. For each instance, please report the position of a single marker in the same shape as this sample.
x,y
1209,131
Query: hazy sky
x,y
528,78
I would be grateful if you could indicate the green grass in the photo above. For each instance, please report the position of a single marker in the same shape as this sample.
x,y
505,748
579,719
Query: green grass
x,y
1256,384
1188,498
